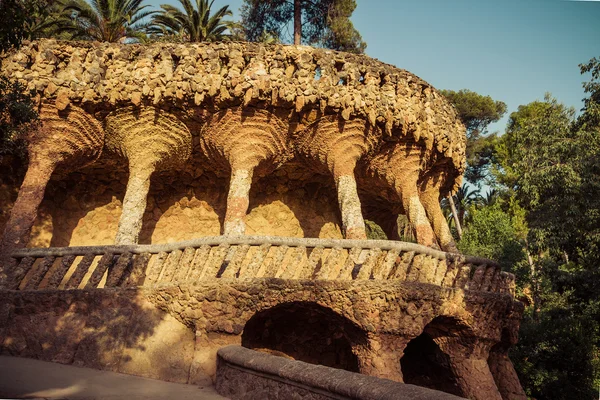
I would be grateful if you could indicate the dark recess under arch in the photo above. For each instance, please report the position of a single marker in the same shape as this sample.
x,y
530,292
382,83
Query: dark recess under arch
x,y
307,332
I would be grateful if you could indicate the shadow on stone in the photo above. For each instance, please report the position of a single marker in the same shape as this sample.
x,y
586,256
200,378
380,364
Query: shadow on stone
x,y
307,332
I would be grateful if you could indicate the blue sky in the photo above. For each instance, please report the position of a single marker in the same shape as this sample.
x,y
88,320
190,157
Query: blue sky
x,y
512,50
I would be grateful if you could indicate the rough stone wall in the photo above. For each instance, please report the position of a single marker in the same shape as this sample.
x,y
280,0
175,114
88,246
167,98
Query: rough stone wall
x,y
245,374
84,207
218,75
245,110
122,329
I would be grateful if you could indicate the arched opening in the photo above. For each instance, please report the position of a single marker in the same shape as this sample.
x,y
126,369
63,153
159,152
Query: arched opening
x,y
307,332
425,364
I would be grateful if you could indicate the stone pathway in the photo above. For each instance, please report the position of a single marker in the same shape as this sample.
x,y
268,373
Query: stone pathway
x,y
22,378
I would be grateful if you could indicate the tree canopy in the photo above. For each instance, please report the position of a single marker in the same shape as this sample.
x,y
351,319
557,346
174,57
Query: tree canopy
x,y
323,23
194,24
107,20
477,112
546,170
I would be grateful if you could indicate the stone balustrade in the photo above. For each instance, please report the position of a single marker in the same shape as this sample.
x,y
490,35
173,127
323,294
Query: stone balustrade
x,y
248,257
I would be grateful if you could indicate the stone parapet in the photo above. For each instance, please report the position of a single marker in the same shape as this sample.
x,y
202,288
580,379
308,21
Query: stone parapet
x,y
246,374
248,257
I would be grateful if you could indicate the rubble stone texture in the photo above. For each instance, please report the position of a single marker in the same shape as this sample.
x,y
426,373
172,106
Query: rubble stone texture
x,y
164,143
149,139
66,139
255,109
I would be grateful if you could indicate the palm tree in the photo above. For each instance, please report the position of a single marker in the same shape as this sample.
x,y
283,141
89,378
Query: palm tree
x,y
195,24
456,209
107,20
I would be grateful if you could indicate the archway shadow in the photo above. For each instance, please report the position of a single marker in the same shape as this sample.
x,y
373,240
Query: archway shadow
x,y
307,332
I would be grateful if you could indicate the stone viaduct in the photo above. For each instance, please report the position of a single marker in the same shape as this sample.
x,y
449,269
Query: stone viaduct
x,y
179,198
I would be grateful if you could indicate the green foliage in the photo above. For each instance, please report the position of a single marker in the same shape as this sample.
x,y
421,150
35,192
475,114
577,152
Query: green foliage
x,y
474,110
556,355
325,23
477,112
591,110
13,16
17,114
106,20
374,231
193,24
464,199
491,234
548,162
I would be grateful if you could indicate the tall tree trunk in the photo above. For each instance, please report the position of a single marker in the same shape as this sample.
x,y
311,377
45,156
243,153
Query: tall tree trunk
x,y
455,215
297,22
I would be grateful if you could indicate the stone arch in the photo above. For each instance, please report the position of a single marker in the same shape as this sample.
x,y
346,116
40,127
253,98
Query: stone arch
x,y
426,361
308,332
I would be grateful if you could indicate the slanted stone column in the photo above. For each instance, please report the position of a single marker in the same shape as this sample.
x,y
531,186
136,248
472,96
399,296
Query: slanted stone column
x,y
468,361
336,145
150,139
430,198
66,139
352,219
398,165
505,375
249,142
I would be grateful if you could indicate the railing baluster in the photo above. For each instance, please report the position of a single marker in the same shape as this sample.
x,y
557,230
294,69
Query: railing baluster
x,y
350,264
440,272
59,273
138,270
254,265
185,263
39,274
486,284
329,265
427,270
309,269
155,269
80,271
200,259
402,266
170,267
227,260
451,272
367,267
270,269
20,271
115,274
296,264
215,260
463,276
232,270
105,263
475,282
386,266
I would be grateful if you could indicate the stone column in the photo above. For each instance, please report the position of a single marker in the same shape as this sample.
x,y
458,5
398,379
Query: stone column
x,y
335,145
149,139
238,201
134,203
505,376
250,142
67,138
430,198
25,209
415,212
353,223
381,358
469,365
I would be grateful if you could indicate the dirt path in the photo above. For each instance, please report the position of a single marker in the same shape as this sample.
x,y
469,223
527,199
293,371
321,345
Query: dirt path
x,y
25,378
